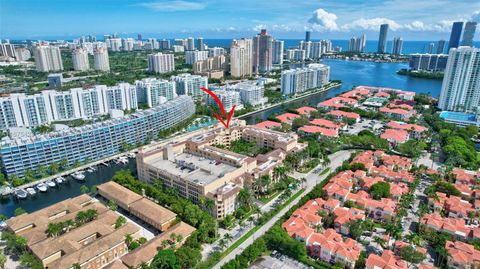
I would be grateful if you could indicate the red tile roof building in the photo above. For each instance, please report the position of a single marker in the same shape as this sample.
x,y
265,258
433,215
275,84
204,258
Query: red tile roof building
x,y
327,124
268,124
462,255
388,260
338,102
415,130
306,110
453,226
395,137
339,114
287,117
312,129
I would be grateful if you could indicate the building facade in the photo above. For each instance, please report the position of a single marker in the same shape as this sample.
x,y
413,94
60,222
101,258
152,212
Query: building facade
x,y
241,58
469,33
193,56
48,58
302,79
277,51
92,142
455,35
161,63
428,62
262,52
190,85
461,82
154,91
80,59
397,46
382,39
100,58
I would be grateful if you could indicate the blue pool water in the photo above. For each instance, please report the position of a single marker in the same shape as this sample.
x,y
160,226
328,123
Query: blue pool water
x,y
458,117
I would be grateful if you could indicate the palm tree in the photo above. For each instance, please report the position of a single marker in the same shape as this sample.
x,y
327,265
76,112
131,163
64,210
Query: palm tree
x,y
128,239
414,238
228,237
222,244
280,172
245,198
54,229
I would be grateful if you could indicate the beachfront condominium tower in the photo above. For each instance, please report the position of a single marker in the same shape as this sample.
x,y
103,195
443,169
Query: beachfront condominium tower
x,y
431,47
262,52
397,46
100,59
307,36
440,46
469,33
277,51
200,43
80,59
455,35
241,57
382,39
48,58
161,63
461,82
190,43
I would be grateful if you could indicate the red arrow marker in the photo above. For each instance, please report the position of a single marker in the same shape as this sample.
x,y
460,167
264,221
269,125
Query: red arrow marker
x,y
222,108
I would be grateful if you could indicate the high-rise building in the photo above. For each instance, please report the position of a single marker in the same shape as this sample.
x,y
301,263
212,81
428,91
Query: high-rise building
x,y
431,47
161,63
215,63
154,91
250,92
22,54
357,44
48,58
307,36
139,37
190,43
277,52
187,84
215,51
382,39
127,44
100,59
241,58
80,59
164,44
397,46
301,79
114,44
7,50
193,56
307,47
440,46
200,43
228,99
461,82
428,62
469,33
316,50
297,55
455,35
262,52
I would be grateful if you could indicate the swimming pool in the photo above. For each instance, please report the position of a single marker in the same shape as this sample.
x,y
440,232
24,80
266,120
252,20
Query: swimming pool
x,y
460,118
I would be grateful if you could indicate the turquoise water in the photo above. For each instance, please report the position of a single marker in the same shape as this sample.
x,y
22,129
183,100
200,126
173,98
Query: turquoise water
x,y
200,125
458,116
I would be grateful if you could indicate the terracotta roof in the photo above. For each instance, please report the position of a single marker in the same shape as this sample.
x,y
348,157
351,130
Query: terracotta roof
x,y
147,252
343,114
146,209
397,136
462,253
334,243
312,129
387,261
287,117
306,110
268,124
118,192
326,123
406,126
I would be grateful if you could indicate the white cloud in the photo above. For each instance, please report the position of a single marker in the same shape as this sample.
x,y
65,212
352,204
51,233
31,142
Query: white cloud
x,y
371,24
171,6
321,21
259,27
476,16
417,26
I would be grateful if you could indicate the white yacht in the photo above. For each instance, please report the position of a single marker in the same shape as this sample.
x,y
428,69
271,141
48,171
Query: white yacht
x,y
20,194
42,187
59,180
50,184
78,176
31,191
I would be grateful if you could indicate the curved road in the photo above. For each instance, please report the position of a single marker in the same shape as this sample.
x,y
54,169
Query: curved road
x,y
336,160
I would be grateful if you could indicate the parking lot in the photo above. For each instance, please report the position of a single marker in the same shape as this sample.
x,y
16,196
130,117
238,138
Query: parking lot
x,y
375,126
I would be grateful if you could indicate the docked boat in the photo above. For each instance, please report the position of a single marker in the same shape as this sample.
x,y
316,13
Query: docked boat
x,y
31,191
59,180
131,155
78,176
123,160
42,187
105,164
5,191
50,184
91,169
21,194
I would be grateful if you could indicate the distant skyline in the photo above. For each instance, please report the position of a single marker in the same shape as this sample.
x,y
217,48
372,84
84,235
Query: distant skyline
x,y
410,19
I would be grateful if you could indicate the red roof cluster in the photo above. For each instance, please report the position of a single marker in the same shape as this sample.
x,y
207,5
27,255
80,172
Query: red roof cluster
x,y
395,136
453,226
327,123
343,114
338,102
462,254
306,110
312,129
406,127
388,260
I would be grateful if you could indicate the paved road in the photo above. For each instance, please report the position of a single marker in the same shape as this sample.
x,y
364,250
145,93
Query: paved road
x,y
336,160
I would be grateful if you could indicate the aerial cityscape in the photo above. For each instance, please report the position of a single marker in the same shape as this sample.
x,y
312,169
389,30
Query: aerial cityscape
x,y
172,134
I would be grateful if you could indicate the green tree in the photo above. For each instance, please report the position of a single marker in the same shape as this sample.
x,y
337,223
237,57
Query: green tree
x,y
380,190
121,220
245,198
3,260
411,255
165,259
84,189
112,205
19,211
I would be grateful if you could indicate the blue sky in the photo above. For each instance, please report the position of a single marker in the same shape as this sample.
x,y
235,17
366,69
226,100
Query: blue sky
x,y
336,19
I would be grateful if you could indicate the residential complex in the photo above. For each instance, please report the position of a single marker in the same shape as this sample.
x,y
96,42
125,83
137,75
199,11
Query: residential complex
x,y
241,58
277,51
47,58
80,59
455,35
187,84
262,52
382,39
154,91
228,99
98,241
461,83
161,63
193,56
303,79
197,168
100,58
357,44
92,142
397,46
428,62
469,33
250,92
